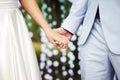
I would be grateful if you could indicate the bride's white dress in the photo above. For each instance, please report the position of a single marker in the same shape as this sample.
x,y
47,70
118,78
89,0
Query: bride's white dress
x,y
17,56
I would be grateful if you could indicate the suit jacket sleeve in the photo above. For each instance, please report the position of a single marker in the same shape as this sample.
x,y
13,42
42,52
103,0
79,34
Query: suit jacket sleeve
x,y
76,16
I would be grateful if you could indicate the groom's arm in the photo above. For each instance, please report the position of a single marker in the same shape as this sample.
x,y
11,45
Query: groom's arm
x,y
75,17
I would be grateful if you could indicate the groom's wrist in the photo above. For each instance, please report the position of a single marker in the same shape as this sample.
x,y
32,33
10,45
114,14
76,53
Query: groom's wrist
x,y
67,31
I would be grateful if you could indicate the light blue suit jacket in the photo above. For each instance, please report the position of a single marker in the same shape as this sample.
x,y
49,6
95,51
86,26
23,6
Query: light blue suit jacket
x,y
84,12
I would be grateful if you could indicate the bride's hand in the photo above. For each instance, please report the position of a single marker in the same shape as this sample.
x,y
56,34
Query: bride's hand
x,y
57,39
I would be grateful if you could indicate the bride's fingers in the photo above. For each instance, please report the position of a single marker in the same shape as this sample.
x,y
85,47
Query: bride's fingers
x,y
64,46
60,44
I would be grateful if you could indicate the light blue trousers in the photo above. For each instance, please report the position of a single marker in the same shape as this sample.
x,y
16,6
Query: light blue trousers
x,y
97,61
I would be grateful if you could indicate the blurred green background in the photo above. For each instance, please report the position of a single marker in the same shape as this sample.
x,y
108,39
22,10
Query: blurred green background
x,y
54,63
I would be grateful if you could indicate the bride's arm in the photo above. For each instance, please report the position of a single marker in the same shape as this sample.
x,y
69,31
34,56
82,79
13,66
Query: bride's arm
x,y
32,8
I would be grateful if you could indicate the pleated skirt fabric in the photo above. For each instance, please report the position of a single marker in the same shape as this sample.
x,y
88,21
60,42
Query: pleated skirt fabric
x,y
17,56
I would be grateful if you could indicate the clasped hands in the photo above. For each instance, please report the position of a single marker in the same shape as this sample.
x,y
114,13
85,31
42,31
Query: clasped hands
x,y
64,36
59,37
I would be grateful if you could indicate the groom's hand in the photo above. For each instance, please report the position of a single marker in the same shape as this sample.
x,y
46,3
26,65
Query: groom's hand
x,y
64,32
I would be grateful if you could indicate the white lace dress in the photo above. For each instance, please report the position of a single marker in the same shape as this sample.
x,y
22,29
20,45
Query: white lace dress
x,y
17,56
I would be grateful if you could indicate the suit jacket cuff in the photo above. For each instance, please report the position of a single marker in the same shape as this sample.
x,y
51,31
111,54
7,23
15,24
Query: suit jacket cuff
x,y
71,26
